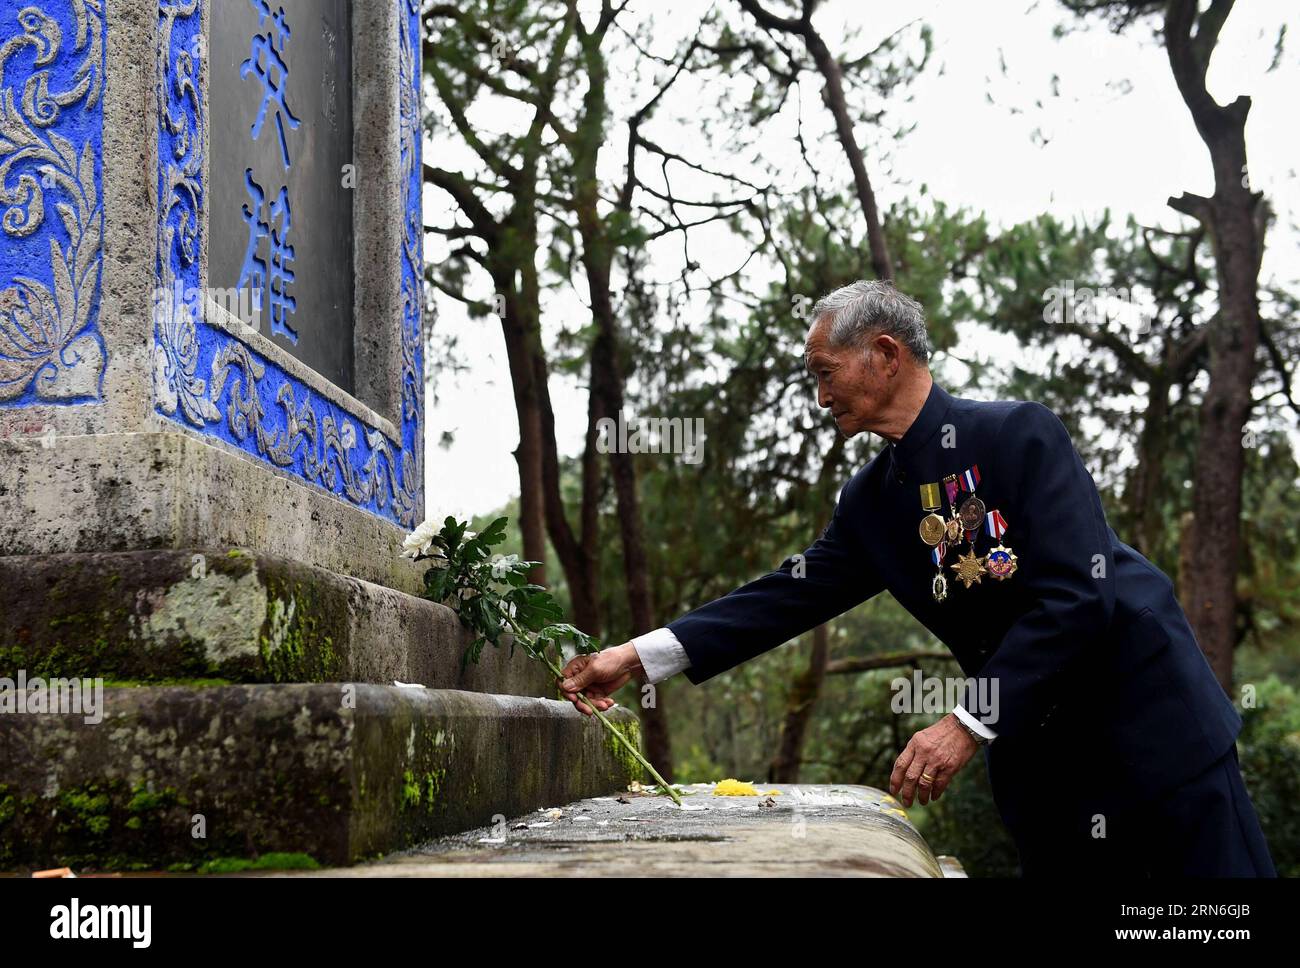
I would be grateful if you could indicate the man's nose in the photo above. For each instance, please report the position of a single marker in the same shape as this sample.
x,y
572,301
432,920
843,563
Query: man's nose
x,y
823,397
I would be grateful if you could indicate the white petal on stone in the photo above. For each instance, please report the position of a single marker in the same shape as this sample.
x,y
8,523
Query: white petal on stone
x,y
409,685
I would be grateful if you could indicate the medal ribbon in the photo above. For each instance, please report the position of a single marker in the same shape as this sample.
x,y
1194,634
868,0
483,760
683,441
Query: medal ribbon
x,y
937,553
930,496
970,477
997,524
953,488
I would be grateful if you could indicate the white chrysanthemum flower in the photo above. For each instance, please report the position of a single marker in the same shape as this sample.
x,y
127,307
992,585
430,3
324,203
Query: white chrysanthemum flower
x,y
418,541
503,565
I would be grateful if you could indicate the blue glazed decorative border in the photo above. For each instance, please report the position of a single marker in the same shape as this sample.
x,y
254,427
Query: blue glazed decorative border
x,y
413,229
51,210
199,367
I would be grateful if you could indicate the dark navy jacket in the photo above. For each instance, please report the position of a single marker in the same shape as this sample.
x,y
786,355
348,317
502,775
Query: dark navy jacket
x,y
1090,649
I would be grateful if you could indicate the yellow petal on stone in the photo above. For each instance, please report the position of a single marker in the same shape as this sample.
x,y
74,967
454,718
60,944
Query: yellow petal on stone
x,y
734,788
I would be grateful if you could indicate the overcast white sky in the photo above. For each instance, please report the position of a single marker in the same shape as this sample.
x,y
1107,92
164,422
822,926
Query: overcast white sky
x,y
1107,146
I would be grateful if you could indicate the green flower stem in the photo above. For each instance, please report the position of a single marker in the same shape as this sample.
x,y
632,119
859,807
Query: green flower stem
x,y
664,784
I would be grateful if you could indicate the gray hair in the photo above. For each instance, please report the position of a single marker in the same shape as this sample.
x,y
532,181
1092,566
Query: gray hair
x,y
865,309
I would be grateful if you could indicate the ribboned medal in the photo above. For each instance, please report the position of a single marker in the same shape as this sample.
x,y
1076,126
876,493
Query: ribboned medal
x,y
952,527
1000,562
972,516
939,585
932,526
933,532
972,510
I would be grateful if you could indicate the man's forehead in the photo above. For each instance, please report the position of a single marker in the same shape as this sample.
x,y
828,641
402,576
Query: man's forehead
x,y
816,339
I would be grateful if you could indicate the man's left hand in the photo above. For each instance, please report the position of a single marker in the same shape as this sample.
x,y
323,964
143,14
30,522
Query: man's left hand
x,y
931,759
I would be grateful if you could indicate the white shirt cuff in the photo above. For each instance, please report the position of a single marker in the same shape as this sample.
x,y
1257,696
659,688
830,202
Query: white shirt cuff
x,y
661,654
973,723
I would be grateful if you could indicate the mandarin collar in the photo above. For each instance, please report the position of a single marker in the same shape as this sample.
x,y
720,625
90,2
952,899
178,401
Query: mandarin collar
x,y
926,424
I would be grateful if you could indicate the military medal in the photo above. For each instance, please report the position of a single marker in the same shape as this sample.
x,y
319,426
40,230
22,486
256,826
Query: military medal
x,y
932,526
934,531
952,526
969,568
939,585
1000,562
972,516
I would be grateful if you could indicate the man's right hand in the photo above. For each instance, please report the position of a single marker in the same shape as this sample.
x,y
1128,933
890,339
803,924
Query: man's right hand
x,y
598,675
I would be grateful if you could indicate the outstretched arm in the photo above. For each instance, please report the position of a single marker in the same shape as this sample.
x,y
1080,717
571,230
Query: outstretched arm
x,y
827,579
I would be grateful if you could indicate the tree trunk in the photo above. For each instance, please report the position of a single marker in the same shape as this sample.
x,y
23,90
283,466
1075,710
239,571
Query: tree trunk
x,y
528,453
833,95
800,702
607,375
1235,218
1146,488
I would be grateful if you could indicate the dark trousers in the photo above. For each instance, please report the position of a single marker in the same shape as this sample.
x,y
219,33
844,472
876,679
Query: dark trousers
x,y
1207,827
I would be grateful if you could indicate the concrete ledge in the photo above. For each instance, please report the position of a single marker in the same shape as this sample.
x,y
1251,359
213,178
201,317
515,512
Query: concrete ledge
x,y
804,831
337,771
153,616
122,492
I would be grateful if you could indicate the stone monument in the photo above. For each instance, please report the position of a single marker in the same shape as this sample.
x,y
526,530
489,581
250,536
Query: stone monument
x,y
211,446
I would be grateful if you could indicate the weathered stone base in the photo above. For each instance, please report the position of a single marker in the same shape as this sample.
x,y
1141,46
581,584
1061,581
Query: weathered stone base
x,y
120,492
227,614
340,772
802,830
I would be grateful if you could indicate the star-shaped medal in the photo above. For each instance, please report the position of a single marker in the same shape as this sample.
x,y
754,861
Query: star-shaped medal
x,y
969,568
1000,562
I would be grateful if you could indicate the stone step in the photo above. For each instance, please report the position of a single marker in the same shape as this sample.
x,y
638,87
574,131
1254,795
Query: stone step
x,y
337,771
227,614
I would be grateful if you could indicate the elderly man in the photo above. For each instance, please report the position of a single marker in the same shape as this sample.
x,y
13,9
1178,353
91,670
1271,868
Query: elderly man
x,y
1109,744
